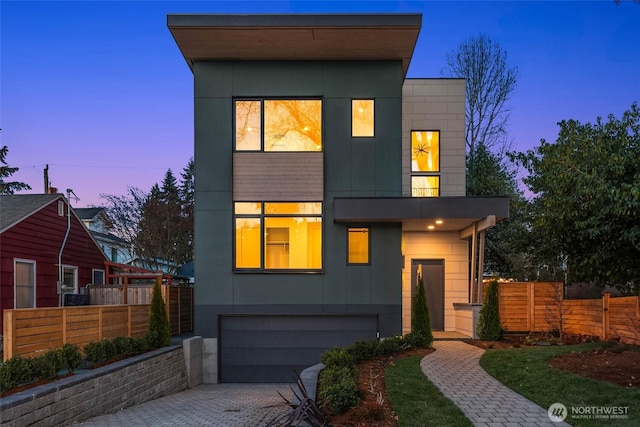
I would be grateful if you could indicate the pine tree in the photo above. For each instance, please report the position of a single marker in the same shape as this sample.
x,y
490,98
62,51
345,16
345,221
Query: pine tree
x,y
159,334
420,320
488,327
5,172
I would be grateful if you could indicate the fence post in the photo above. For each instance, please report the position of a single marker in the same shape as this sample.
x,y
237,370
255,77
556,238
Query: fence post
x,y
64,325
129,320
9,326
531,320
606,296
100,323
179,311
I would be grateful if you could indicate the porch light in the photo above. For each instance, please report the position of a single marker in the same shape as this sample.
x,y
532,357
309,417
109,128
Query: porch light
x,y
439,221
431,227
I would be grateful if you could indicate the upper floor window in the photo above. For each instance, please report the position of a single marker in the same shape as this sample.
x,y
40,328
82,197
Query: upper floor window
x,y
362,117
278,125
425,163
278,236
358,245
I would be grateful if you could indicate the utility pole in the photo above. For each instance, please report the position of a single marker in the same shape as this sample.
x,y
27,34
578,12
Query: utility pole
x,y
46,179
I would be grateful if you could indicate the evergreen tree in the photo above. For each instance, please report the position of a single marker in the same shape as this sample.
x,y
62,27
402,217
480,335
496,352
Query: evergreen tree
x,y
5,172
159,334
488,327
420,320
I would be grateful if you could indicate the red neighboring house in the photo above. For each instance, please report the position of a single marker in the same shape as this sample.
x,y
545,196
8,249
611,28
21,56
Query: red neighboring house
x,y
32,232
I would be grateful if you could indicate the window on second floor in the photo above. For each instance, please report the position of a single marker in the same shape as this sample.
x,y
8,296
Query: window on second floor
x,y
278,125
278,236
362,117
358,245
425,163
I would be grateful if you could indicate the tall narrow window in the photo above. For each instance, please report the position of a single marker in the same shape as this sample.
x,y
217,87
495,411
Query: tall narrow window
x,y
425,163
358,245
97,276
25,284
278,125
70,277
362,117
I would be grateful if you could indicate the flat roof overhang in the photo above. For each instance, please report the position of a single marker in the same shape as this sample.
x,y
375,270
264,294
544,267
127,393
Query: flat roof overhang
x,y
296,37
416,214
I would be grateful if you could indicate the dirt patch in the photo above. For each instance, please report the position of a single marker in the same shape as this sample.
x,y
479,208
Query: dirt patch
x,y
374,409
615,365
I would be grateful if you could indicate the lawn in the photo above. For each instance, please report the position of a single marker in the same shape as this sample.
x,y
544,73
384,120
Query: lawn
x,y
416,400
526,371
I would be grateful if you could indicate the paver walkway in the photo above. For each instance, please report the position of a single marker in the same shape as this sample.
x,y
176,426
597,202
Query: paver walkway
x,y
220,405
454,368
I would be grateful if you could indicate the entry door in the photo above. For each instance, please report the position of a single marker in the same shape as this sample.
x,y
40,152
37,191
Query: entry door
x,y
433,279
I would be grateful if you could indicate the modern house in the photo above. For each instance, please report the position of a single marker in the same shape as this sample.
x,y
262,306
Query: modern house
x,y
97,221
42,242
326,182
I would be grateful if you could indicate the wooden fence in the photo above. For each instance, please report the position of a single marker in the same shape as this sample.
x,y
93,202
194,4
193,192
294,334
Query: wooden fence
x,y
541,307
178,301
31,331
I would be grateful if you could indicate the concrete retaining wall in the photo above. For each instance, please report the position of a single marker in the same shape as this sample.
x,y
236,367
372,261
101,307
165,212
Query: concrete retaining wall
x,y
106,389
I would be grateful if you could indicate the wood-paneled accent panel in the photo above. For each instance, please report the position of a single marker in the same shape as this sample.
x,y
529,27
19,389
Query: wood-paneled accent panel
x,y
278,176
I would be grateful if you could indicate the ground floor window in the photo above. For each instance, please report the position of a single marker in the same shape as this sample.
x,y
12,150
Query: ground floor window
x,y
278,235
25,283
358,245
97,276
70,278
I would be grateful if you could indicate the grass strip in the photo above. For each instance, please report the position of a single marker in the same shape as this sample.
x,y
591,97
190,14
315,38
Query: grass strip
x,y
526,371
415,399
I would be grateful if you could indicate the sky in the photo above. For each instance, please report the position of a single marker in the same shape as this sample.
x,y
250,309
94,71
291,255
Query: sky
x,y
99,91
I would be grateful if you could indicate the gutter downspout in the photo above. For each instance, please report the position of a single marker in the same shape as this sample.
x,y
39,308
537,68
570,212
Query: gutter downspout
x,y
64,242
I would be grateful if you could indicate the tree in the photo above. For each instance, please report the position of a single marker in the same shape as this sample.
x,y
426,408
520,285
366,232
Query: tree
x,y
420,320
125,212
506,244
586,190
489,83
9,187
159,334
163,239
187,196
488,327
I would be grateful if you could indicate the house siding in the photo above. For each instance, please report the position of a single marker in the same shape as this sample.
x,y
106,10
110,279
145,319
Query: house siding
x,y
39,238
352,167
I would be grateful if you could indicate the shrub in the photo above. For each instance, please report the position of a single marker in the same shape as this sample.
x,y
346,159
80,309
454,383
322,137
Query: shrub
x,y
159,334
95,352
338,389
123,346
46,366
338,357
391,345
15,372
364,349
420,320
139,345
488,327
110,350
71,357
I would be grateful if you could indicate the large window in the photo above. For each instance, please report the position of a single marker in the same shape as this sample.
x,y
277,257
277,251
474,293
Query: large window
x,y
278,125
425,163
25,283
278,236
358,245
362,117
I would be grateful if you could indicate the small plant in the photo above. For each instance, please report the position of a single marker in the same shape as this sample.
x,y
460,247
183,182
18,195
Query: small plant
x,y
95,352
416,340
488,327
110,350
159,334
364,349
15,372
46,366
71,357
338,357
420,320
391,345
338,389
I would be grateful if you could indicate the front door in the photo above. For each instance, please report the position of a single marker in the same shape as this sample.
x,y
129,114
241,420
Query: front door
x,y
432,272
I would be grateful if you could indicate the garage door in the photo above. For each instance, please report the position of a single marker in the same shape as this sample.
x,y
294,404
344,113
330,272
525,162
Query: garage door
x,y
269,348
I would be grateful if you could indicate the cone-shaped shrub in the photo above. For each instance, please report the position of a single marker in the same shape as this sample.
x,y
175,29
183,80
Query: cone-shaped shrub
x,y
159,334
488,327
420,321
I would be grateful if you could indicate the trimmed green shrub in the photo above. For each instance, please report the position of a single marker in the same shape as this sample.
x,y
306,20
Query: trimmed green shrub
x,y
46,366
364,349
110,350
338,357
417,340
123,346
71,357
391,345
420,320
159,334
15,372
139,345
94,352
488,327
338,389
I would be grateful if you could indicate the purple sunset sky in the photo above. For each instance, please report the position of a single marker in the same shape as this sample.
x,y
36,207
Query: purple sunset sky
x,y
100,92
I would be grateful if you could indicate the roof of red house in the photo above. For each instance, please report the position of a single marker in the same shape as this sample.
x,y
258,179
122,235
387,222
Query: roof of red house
x,y
15,208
